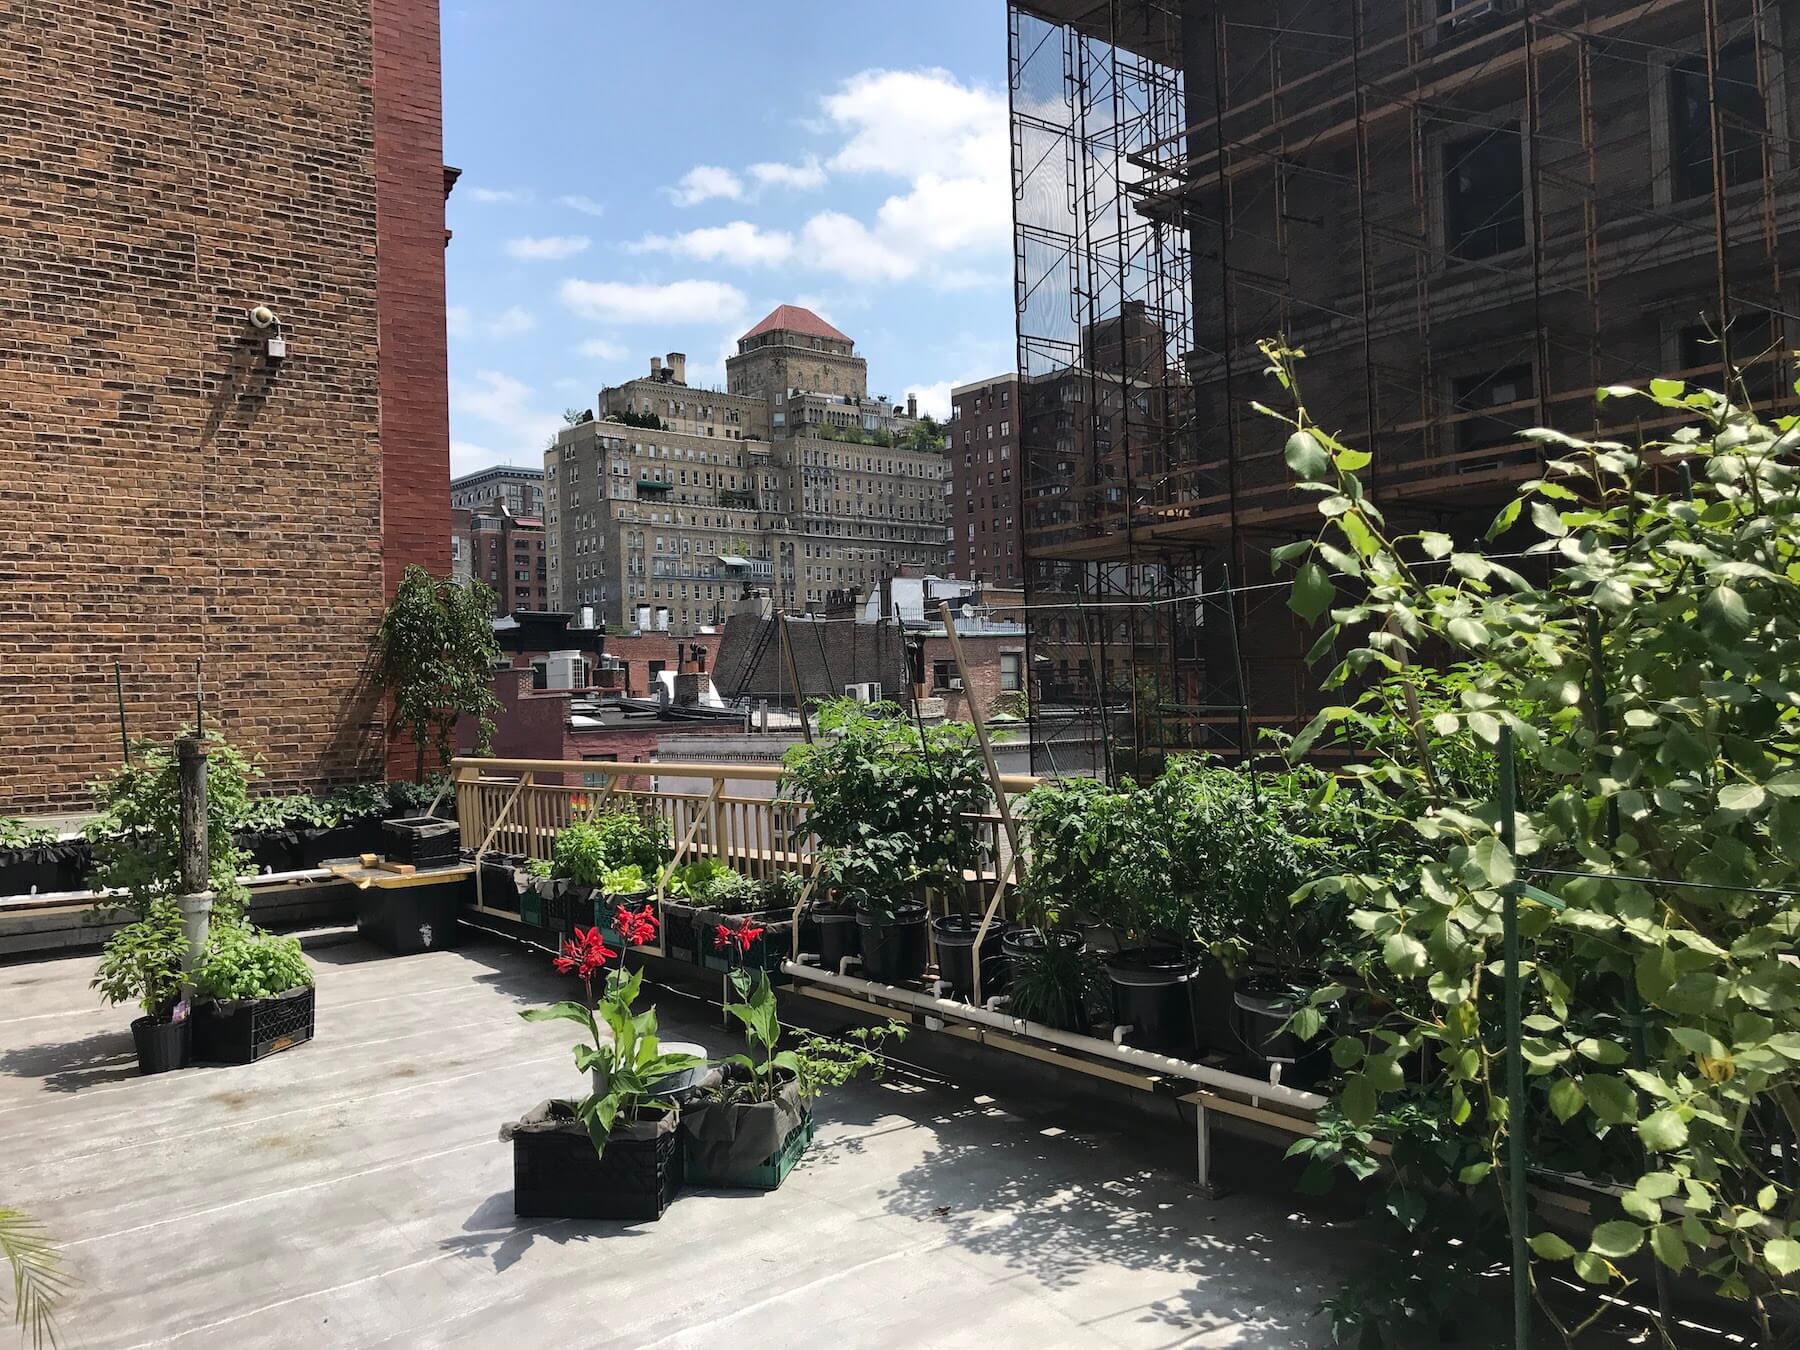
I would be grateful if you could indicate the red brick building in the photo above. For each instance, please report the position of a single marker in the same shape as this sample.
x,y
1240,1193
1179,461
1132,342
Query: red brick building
x,y
504,551
176,489
984,481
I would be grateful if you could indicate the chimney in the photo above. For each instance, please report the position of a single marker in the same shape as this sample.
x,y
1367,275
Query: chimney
x,y
678,367
912,405
656,367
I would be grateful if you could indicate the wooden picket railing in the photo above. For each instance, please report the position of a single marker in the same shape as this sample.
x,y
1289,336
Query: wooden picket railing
x,y
517,806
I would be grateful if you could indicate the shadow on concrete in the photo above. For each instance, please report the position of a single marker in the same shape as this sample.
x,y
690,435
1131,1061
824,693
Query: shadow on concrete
x,y
73,1066
494,1233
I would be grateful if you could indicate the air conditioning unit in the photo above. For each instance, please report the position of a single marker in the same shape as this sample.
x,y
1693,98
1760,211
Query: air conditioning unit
x,y
867,692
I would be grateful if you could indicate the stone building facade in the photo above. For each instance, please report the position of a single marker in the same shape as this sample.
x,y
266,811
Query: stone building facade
x,y
176,490
792,480
520,488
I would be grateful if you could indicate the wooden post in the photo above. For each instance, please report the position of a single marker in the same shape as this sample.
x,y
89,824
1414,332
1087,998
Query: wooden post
x,y
195,901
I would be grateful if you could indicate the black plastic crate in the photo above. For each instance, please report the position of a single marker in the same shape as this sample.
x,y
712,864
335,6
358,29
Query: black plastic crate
x,y
242,1031
423,841
500,881
557,1175
418,917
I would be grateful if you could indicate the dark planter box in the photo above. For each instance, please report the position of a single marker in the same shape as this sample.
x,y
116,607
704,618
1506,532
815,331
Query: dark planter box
x,y
765,954
349,840
500,881
241,1031
766,1175
272,850
406,920
557,1174
423,841
25,870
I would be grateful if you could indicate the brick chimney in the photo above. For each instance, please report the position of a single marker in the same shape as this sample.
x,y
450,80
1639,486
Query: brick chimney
x,y
678,367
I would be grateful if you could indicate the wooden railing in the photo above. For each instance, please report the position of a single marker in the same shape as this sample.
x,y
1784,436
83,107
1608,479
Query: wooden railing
x,y
518,806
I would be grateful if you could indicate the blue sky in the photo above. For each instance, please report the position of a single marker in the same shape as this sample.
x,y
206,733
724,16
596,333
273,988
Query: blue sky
x,y
649,177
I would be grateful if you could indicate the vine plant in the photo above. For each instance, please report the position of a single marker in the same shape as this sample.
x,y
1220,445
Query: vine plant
x,y
1646,657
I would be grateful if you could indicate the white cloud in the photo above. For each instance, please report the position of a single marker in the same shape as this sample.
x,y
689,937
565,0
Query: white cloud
x,y
459,321
602,349
949,143
510,322
803,177
500,196
739,243
705,181
934,399
622,302
547,248
516,429
841,243
702,373
586,205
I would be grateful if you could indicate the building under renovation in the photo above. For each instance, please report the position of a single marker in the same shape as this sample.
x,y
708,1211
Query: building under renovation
x,y
1468,213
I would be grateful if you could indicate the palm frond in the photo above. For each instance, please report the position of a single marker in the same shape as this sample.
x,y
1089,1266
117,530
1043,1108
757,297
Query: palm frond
x,y
39,1281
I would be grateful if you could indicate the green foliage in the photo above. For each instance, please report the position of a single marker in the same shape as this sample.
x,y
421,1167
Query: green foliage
x,y
244,961
141,962
297,811
21,834
644,421
831,1061
1057,984
39,1282
696,881
735,893
137,831
626,880
892,808
630,1059
769,1067
1649,688
435,654
589,847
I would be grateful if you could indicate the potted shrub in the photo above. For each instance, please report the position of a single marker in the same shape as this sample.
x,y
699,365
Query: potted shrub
x,y
253,995
590,847
750,1130
614,1153
141,964
137,842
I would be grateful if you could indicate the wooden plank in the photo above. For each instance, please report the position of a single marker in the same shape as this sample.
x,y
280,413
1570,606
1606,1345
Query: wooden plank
x,y
1018,1045
855,1004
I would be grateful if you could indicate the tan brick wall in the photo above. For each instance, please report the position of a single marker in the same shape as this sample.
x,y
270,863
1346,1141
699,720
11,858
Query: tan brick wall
x,y
167,493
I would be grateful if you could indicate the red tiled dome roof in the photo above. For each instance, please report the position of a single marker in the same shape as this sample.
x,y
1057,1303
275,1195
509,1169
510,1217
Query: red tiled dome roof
x,y
796,319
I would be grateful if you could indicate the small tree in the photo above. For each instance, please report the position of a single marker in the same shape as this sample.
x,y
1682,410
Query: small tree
x,y
436,655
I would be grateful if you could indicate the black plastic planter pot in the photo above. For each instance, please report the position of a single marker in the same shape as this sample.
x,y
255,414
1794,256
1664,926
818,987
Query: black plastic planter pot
x,y
894,949
405,920
839,937
500,881
558,1175
241,1031
1020,946
1151,998
954,935
1215,1013
162,1046
1262,1010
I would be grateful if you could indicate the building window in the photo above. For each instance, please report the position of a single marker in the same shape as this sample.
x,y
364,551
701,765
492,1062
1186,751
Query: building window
x,y
1741,121
944,676
1484,194
1493,390
1011,664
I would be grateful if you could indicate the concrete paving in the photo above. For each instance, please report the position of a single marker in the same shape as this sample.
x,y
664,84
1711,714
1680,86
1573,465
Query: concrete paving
x,y
353,1192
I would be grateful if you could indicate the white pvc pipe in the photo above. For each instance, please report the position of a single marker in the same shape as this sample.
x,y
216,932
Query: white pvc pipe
x,y
1091,1045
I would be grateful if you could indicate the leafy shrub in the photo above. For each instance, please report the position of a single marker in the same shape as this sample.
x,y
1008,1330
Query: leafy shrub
x,y
627,880
697,881
590,847
20,834
141,962
244,961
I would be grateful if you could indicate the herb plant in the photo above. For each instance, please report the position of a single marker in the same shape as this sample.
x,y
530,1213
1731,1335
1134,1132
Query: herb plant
x,y
244,961
141,962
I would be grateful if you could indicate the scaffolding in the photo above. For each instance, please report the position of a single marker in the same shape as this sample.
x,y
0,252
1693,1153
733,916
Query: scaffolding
x,y
1469,213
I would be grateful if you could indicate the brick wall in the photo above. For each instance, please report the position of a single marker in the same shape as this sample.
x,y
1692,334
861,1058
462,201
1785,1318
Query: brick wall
x,y
638,651
167,491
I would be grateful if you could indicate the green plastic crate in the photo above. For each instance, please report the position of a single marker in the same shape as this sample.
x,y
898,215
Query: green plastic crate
x,y
769,1175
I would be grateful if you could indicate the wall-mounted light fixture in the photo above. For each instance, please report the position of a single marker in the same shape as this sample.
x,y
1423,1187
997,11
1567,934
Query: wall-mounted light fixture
x,y
266,321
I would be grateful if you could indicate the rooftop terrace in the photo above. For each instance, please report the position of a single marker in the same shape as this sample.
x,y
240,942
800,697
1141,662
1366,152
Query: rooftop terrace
x,y
353,1191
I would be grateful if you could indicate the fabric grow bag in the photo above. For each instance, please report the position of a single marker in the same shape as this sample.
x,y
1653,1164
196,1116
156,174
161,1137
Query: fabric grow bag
x,y
746,1145
558,1175
243,1030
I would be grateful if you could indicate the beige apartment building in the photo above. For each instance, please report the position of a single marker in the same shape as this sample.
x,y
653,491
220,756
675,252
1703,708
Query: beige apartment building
x,y
794,480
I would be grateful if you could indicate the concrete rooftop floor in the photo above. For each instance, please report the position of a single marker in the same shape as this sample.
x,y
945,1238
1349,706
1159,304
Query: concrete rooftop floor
x,y
353,1191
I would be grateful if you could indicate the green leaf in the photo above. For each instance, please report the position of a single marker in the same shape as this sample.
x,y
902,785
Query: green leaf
x,y
1351,460
1565,1098
1724,614
1404,954
1508,517
1551,1247
1641,1206
1617,1239
1665,1241
1610,1099
1783,1255
1474,1172
1592,1268
1548,519
1358,1100
1313,592
1306,457
1663,1130
1741,797
1492,860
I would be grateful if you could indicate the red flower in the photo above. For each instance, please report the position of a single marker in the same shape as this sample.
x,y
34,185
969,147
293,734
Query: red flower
x,y
637,927
741,937
585,955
